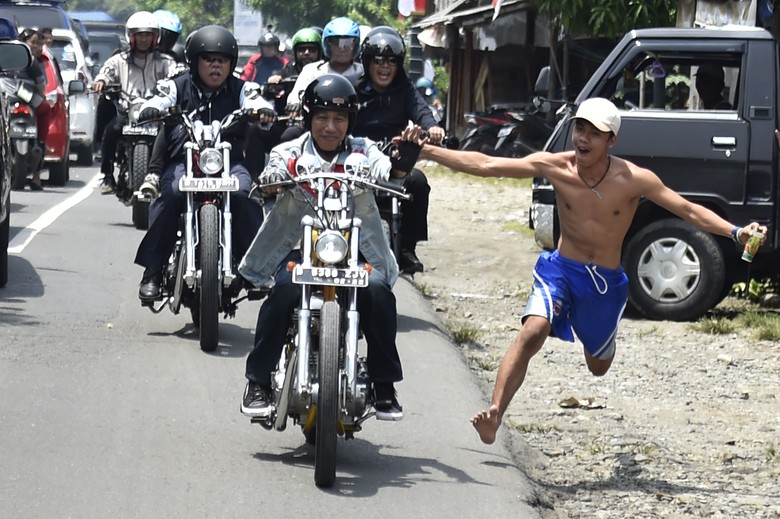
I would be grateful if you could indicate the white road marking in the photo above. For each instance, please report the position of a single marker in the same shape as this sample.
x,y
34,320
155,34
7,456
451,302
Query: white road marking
x,y
25,236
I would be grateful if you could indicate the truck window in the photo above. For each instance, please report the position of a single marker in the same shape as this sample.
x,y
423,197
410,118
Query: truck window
x,y
676,82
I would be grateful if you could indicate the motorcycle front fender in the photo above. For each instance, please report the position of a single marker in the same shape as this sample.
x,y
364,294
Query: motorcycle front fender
x,y
22,146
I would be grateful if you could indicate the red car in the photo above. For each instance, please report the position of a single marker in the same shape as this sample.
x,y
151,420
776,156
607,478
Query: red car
x,y
58,141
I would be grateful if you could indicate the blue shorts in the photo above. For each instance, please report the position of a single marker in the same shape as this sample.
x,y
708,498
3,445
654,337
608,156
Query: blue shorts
x,y
587,298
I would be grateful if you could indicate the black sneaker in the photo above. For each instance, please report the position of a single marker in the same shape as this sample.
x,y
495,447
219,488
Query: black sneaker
x,y
386,404
149,289
408,262
257,400
108,186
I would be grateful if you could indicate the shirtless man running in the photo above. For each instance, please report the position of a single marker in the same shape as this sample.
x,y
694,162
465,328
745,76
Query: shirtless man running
x,y
581,286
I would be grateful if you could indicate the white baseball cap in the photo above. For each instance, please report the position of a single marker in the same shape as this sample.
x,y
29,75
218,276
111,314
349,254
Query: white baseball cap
x,y
601,113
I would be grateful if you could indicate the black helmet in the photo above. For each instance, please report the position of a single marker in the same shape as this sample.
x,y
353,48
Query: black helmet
x,y
178,53
211,38
331,92
382,41
269,38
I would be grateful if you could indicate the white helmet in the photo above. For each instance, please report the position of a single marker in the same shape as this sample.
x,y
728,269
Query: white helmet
x,y
142,21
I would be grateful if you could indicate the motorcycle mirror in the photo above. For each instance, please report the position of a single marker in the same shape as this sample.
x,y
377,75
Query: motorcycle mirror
x,y
542,105
307,164
542,84
356,164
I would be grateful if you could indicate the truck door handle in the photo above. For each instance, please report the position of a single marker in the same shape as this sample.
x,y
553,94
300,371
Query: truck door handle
x,y
724,142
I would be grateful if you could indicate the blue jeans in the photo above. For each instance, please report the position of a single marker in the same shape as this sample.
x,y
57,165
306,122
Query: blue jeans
x,y
157,245
378,320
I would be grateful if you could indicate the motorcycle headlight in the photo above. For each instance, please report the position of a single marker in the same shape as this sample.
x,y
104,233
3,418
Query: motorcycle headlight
x,y
135,111
331,247
210,161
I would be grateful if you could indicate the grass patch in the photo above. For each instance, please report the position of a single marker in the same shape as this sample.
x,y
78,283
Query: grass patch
x,y
763,326
486,364
714,325
648,332
424,288
533,428
771,452
463,334
596,448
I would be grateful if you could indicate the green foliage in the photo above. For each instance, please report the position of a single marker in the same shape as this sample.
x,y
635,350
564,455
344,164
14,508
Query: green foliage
x,y
291,16
441,80
756,288
609,18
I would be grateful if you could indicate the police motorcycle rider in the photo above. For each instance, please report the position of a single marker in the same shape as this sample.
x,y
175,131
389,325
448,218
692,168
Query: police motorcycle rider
x,y
137,72
329,108
388,101
211,88
306,48
266,63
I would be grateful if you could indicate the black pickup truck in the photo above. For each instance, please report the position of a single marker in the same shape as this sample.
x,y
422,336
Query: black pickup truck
x,y
725,158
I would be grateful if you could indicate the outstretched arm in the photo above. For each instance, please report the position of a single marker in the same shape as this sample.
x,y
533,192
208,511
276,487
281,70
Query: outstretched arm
x,y
695,214
480,164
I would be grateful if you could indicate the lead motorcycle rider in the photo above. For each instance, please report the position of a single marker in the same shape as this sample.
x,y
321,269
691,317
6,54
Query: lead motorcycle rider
x,y
210,88
137,72
329,106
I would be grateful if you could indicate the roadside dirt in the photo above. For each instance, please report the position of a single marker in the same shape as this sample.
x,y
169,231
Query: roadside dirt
x,y
685,424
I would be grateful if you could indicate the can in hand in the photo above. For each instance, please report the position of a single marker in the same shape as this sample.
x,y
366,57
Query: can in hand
x,y
751,247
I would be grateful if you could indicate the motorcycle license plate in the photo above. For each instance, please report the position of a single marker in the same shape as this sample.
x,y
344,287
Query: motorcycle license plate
x,y
503,132
330,276
208,184
139,130
22,132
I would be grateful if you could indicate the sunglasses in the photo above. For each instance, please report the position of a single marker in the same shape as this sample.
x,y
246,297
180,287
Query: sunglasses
x,y
215,58
389,60
311,49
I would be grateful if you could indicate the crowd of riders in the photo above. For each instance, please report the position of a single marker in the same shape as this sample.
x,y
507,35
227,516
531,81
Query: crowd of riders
x,y
338,92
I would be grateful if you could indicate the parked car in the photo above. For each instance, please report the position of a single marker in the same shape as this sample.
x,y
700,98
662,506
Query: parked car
x,y
74,65
722,156
13,56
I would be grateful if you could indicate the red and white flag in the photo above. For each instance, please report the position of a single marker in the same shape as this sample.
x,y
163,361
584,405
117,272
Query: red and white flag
x,y
496,8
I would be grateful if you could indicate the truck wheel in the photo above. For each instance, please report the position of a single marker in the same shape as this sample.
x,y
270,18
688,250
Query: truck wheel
x,y
58,172
84,155
676,272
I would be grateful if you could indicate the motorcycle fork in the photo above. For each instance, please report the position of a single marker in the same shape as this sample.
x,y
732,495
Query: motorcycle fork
x,y
190,241
227,226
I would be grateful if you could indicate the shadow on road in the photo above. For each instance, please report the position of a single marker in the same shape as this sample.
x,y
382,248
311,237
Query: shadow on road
x,y
234,341
370,467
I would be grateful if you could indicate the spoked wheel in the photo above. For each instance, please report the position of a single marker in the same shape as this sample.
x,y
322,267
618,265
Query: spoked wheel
x,y
328,397
209,277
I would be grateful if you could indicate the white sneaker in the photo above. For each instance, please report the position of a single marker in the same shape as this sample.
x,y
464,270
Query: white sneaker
x,y
151,186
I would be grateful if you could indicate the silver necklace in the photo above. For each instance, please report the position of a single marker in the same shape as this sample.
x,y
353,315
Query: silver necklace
x,y
594,186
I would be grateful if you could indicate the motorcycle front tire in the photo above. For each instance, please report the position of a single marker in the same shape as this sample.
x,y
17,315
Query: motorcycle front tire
x,y
328,396
139,167
208,262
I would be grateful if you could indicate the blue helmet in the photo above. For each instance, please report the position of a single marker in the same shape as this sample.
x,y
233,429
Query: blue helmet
x,y
426,88
341,28
168,20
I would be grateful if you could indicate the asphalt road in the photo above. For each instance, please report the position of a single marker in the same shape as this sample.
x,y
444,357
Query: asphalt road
x,y
107,410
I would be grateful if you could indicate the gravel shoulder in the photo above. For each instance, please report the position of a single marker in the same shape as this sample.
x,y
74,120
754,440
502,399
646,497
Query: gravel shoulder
x,y
685,424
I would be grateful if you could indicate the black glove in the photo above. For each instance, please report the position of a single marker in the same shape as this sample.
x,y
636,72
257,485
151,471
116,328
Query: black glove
x,y
148,114
406,156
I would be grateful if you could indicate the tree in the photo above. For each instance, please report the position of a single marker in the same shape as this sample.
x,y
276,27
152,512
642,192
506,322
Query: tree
x,y
289,17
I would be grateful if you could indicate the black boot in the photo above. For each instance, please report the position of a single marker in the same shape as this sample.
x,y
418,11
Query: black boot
x,y
149,289
408,262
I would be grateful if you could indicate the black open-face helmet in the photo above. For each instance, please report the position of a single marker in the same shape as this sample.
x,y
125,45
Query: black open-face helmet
x,y
383,41
211,39
331,92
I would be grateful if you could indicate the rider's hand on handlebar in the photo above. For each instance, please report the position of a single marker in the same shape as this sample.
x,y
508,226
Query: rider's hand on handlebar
x,y
271,177
266,116
293,109
98,86
435,135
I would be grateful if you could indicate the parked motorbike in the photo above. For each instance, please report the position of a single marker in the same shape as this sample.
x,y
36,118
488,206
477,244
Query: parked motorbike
x,y
321,383
28,152
525,133
133,154
200,274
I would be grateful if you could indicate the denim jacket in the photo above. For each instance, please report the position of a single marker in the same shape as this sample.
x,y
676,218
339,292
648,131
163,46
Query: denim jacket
x,y
281,231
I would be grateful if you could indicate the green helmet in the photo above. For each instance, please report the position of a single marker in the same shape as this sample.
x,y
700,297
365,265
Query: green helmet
x,y
308,35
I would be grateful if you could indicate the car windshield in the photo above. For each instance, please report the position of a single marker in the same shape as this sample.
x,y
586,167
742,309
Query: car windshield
x,y
66,56
35,16
103,47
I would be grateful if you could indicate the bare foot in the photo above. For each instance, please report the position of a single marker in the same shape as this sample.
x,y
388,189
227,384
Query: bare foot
x,y
487,423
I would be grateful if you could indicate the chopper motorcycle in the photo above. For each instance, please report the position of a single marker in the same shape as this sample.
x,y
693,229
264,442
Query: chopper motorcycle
x,y
23,129
321,382
200,273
